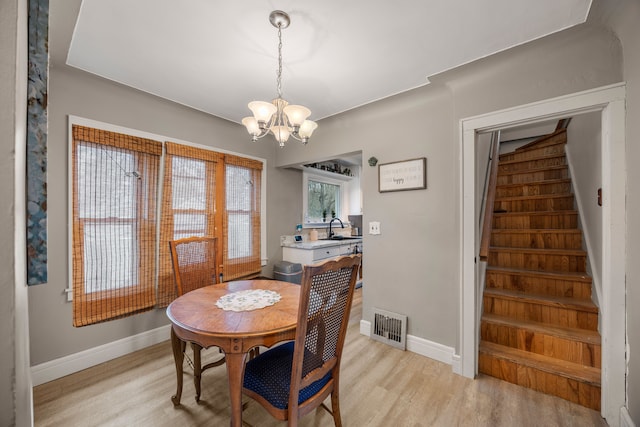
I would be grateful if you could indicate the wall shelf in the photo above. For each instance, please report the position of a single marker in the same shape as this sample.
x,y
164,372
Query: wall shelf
x,y
333,166
327,174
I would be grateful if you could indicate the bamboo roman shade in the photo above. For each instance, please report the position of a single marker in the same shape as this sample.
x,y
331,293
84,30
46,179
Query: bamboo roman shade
x,y
121,258
241,226
188,205
114,187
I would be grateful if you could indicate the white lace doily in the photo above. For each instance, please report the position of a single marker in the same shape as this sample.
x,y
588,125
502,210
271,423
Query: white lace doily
x,y
248,300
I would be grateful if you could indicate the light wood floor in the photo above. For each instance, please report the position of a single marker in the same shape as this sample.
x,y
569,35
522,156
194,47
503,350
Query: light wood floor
x,y
380,386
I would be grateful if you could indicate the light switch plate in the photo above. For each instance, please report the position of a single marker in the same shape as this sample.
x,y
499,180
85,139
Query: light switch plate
x,y
374,227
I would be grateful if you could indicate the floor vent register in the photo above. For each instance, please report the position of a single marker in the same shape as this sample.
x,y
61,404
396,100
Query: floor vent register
x,y
389,328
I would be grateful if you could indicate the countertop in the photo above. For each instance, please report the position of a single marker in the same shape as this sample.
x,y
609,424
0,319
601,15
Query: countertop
x,y
322,243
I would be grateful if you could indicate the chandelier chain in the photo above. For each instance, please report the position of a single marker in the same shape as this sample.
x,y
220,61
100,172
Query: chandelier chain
x,y
279,61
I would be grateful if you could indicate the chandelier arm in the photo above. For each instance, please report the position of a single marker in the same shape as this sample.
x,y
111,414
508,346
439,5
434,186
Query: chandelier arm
x,y
262,134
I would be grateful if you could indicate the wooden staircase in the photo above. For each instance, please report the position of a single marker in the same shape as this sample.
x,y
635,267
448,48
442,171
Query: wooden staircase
x,y
539,324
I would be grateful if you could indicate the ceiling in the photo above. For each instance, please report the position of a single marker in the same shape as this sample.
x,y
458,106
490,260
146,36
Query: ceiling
x,y
216,56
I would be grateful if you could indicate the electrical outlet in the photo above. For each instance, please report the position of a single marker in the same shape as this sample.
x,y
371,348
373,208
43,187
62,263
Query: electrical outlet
x,y
374,227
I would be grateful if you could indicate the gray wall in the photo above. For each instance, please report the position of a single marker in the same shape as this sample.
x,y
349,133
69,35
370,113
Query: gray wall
x,y
623,17
413,267
73,92
584,152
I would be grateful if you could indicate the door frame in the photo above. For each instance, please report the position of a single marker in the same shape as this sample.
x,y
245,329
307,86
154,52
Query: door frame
x,y
610,102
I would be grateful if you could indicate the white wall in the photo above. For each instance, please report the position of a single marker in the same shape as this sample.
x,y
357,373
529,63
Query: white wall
x,y
584,153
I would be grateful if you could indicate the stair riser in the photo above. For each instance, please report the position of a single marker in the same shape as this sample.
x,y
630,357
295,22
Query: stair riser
x,y
535,222
547,345
553,203
525,177
530,310
538,261
537,240
533,153
533,189
581,393
526,165
538,286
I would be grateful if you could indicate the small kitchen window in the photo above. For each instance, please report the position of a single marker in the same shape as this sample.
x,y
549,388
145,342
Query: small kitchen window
x,y
323,199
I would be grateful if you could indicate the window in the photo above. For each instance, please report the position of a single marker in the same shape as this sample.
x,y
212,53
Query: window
x,y
322,198
121,264
239,199
242,216
114,181
189,201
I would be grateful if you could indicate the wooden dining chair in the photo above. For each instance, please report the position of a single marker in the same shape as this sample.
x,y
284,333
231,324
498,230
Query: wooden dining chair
x,y
292,379
194,266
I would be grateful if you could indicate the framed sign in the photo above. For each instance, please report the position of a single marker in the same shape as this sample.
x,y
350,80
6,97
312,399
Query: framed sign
x,y
403,175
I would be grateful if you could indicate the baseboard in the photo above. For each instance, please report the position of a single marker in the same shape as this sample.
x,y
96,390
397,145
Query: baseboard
x,y
625,418
365,328
423,347
66,365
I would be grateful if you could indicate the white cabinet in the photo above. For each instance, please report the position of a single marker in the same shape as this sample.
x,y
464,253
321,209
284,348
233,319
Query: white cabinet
x,y
306,254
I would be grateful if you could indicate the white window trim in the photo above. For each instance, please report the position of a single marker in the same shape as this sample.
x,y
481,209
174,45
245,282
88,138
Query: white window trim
x,y
81,121
344,201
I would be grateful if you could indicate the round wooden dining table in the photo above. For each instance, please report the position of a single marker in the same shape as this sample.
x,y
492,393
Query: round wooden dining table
x,y
196,318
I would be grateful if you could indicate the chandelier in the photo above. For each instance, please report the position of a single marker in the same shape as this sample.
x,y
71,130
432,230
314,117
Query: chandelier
x,y
278,117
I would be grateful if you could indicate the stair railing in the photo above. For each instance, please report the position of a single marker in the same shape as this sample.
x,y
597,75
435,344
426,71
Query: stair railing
x,y
490,192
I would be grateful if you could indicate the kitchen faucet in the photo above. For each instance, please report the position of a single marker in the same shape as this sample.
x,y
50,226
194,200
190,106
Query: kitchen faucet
x,y
331,233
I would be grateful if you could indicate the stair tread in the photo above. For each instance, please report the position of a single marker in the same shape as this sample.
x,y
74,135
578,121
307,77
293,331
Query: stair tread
x,y
575,334
574,371
578,252
536,230
539,182
565,275
534,197
558,212
513,161
520,172
580,304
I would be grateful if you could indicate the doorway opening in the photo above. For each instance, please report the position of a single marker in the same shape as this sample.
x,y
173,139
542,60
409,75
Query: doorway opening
x,y
609,101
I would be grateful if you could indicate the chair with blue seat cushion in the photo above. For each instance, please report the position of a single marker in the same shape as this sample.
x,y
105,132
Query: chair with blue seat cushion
x,y
292,379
